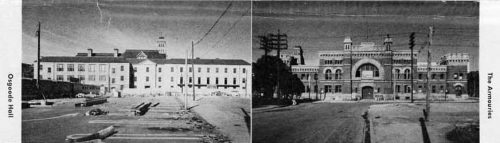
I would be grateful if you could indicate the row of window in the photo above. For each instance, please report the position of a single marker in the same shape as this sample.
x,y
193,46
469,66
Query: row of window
x,y
81,68
181,69
407,89
330,62
207,81
82,78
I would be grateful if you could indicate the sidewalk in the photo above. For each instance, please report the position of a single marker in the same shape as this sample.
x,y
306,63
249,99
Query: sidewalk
x,y
399,122
226,113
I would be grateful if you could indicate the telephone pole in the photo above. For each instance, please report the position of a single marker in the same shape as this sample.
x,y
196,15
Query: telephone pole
x,y
38,59
412,44
427,104
192,66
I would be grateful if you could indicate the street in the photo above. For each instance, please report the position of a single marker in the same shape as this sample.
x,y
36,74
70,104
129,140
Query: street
x,y
309,122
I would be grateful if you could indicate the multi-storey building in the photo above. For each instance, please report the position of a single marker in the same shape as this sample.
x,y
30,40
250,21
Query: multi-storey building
x,y
137,71
368,71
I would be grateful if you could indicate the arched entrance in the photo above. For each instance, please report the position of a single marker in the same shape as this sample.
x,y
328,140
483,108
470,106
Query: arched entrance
x,y
367,92
458,90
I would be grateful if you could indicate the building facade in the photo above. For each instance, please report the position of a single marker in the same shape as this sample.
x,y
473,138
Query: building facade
x,y
137,71
368,71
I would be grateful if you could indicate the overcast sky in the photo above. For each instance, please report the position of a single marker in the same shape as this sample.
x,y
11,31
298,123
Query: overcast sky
x,y
318,26
69,27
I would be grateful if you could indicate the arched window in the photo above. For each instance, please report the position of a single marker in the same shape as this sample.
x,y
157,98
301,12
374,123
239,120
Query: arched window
x,y
397,73
338,74
328,74
368,70
407,74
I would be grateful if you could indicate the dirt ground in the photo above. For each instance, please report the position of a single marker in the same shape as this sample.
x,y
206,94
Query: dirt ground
x,y
55,123
227,114
399,122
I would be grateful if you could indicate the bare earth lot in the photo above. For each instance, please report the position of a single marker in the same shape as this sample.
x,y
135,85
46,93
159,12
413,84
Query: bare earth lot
x,y
309,123
53,124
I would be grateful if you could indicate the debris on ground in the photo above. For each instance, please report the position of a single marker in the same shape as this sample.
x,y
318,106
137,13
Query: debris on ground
x,y
464,133
95,112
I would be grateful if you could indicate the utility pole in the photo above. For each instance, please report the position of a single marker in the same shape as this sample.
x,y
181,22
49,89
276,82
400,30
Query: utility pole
x,y
192,66
427,104
278,65
38,34
412,44
186,80
350,73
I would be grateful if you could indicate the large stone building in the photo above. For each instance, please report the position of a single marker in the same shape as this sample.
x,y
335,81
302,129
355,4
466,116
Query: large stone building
x,y
368,71
137,71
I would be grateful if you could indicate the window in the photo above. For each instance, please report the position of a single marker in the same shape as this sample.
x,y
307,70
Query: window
x,y
328,74
234,80
338,74
225,81
92,68
81,77
181,69
91,77
60,77
419,76
171,69
69,77
433,89
328,89
102,78
147,78
112,80
398,88
159,69
135,78
60,67
243,80
122,78
461,76
122,68
433,76
338,88
441,76
81,67
121,87
190,79
41,67
216,80
397,74
405,87
112,70
171,79
216,70
208,70
71,67
244,70
102,68
190,69
455,76
234,70
199,80
199,70
159,79
147,69
406,74
441,89
181,80
208,80
135,69
225,70
49,70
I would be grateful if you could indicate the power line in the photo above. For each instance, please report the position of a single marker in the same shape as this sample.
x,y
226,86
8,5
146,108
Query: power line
x,y
217,21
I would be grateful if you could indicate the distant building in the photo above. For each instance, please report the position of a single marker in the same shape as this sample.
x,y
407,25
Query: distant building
x,y
293,56
137,71
378,71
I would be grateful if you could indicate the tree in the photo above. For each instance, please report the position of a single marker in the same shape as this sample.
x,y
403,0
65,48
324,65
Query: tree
x,y
473,84
265,78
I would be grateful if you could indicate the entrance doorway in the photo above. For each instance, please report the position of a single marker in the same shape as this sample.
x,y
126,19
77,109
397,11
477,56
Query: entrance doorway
x,y
367,92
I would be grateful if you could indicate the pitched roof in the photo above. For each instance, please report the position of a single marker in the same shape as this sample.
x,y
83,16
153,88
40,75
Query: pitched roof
x,y
196,61
151,54
84,59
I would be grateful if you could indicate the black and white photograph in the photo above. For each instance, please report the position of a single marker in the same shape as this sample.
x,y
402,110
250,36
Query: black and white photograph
x,y
136,71
365,71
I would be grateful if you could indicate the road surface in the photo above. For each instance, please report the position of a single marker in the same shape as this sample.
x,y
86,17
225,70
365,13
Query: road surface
x,y
309,122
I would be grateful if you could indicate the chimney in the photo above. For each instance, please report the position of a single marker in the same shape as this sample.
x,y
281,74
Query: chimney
x,y
116,53
89,52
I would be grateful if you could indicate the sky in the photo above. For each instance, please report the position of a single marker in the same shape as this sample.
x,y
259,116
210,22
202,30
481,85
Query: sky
x,y
69,27
319,26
